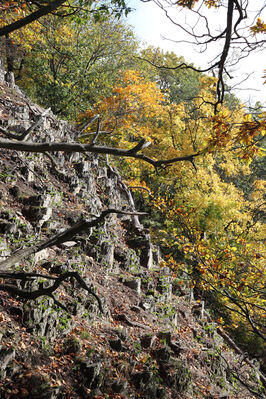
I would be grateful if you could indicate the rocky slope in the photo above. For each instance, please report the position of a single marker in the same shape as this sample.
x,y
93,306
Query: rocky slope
x,y
149,341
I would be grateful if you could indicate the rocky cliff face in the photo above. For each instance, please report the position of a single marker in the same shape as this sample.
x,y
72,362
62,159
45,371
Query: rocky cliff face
x,y
148,341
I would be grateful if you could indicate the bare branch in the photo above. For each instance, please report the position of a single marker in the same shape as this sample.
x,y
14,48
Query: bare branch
x,y
48,291
87,124
83,148
61,237
94,139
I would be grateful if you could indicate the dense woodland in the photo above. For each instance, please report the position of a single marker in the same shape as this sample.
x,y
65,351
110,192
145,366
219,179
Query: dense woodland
x,y
191,153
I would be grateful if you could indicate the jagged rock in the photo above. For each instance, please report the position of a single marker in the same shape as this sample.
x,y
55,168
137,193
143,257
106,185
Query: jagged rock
x,y
8,228
119,387
92,374
120,255
141,378
148,304
134,284
42,320
147,340
82,168
217,365
116,345
43,254
164,285
166,336
162,354
156,255
28,172
4,251
71,345
75,157
144,381
176,375
2,71
107,252
40,388
38,209
176,348
122,334
6,355
56,269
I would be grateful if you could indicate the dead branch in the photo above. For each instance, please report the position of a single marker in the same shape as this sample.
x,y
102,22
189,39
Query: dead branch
x,y
94,139
61,237
48,291
233,35
83,148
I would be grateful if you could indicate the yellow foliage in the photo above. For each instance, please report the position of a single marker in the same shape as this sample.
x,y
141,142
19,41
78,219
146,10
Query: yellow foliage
x,y
204,215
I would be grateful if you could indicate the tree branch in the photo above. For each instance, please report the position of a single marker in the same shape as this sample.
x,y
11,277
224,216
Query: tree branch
x,y
83,148
20,23
56,240
61,237
13,290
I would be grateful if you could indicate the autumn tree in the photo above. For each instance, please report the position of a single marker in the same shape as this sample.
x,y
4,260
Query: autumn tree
x,y
19,13
70,66
211,233
179,84
205,224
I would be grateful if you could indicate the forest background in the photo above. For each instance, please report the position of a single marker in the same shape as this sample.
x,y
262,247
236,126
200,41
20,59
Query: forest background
x,y
200,178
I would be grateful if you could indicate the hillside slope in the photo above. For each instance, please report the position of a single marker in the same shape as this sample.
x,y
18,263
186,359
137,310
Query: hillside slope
x,y
149,341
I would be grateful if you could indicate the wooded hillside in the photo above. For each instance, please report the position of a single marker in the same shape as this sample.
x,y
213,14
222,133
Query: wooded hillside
x,y
132,219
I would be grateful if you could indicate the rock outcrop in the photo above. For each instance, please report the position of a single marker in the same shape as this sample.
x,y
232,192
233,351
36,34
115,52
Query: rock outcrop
x,y
147,342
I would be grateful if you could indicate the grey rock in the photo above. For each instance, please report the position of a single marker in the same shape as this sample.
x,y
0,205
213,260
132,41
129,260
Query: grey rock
x,y
82,168
134,284
116,344
69,244
42,255
162,354
107,252
224,395
147,340
92,374
119,387
54,393
5,358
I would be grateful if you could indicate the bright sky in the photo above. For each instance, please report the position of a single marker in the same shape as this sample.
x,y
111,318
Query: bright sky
x,y
152,27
